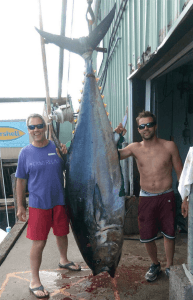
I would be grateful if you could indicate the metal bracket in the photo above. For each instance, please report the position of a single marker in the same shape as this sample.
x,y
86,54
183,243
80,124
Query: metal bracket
x,y
62,113
99,49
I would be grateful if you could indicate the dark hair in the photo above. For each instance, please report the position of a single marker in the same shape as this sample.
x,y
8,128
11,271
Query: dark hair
x,y
146,114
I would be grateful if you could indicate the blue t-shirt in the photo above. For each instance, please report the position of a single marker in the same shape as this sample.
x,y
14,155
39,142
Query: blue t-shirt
x,y
43,169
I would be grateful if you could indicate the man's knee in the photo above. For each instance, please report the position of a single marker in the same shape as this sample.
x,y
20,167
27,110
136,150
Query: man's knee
x,y
39,245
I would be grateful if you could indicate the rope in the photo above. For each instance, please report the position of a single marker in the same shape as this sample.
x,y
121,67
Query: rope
x,y
69,54
45,72
69,57
61,58
44,62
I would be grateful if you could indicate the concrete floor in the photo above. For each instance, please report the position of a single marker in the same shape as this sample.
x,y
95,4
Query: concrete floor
x,y
129,282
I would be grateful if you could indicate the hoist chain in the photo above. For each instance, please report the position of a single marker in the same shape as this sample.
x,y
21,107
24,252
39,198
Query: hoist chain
x,y
90,11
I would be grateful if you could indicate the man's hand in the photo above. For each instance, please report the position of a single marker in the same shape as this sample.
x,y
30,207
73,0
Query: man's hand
x,y
184,208
120,129
63,148
21,214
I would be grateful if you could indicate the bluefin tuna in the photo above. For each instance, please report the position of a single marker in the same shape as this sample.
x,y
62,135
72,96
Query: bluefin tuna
x,y
93,174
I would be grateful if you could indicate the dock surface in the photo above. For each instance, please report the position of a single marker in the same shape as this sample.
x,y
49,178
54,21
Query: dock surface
x,y
129,282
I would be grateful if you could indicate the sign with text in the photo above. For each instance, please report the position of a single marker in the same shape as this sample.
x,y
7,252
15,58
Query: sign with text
x,y
13,134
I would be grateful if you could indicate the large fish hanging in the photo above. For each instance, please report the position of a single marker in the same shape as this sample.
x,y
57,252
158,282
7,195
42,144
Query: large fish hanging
x,y
93,175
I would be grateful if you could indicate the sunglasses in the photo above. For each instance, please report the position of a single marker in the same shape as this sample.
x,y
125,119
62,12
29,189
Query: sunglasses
x,y
38,126
149,125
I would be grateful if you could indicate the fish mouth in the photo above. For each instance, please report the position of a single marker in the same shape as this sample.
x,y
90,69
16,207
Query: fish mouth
x,y
111,270
107,251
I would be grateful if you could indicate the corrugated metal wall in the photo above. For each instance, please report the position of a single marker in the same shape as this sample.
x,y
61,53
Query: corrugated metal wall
x,y
143,26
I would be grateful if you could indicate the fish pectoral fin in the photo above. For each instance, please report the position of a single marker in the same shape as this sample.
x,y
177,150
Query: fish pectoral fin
x,y
116,137
99,209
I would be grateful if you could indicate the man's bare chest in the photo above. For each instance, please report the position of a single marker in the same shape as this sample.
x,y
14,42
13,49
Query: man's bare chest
x,y
155,159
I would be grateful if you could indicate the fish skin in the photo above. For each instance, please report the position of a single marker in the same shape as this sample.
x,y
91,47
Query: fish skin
x,y
93,178
94,181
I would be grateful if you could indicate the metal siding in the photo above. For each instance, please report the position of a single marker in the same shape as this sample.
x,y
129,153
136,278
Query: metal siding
x,y
116,89
145,23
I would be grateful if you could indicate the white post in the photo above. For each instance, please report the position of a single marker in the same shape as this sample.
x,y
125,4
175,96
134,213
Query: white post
x,y
190,232
130,135
148,95
126,171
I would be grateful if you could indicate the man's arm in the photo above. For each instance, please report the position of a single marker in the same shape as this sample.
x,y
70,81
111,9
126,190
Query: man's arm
x,y
63,150
20,190
120,129
178,166
127,151
176,160
184,207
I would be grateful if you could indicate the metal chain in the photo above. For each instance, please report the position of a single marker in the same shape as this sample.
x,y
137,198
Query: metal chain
x,y
90,11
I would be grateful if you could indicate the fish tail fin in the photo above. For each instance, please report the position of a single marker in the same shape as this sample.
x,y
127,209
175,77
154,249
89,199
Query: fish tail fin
x,y
84,44
100,31
61,41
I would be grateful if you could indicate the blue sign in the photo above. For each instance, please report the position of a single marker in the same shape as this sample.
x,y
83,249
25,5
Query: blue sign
x,y
13,134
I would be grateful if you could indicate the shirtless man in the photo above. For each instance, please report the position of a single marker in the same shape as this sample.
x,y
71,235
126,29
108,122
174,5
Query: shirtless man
x,y
155,158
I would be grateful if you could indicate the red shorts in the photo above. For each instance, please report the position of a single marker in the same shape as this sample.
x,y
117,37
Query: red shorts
x,y
41,220
156,213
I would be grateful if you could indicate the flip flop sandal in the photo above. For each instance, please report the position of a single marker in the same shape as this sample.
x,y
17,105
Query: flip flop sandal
x,y
68,266
40,288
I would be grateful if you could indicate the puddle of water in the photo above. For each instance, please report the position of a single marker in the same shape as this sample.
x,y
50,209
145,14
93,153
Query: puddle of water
x,y
50,279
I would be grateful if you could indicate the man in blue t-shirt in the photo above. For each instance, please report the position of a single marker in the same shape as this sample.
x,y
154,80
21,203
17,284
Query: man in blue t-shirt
x,y
41,168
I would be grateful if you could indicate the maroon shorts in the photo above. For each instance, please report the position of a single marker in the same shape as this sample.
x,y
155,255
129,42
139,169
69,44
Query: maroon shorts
x,y
156,213
41,220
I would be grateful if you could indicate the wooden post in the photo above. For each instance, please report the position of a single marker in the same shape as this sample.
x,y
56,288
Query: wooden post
x,y
61,57
48,102
2,194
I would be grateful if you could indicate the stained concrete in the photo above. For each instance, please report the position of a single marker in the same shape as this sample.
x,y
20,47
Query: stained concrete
x,y
180,286
129,282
